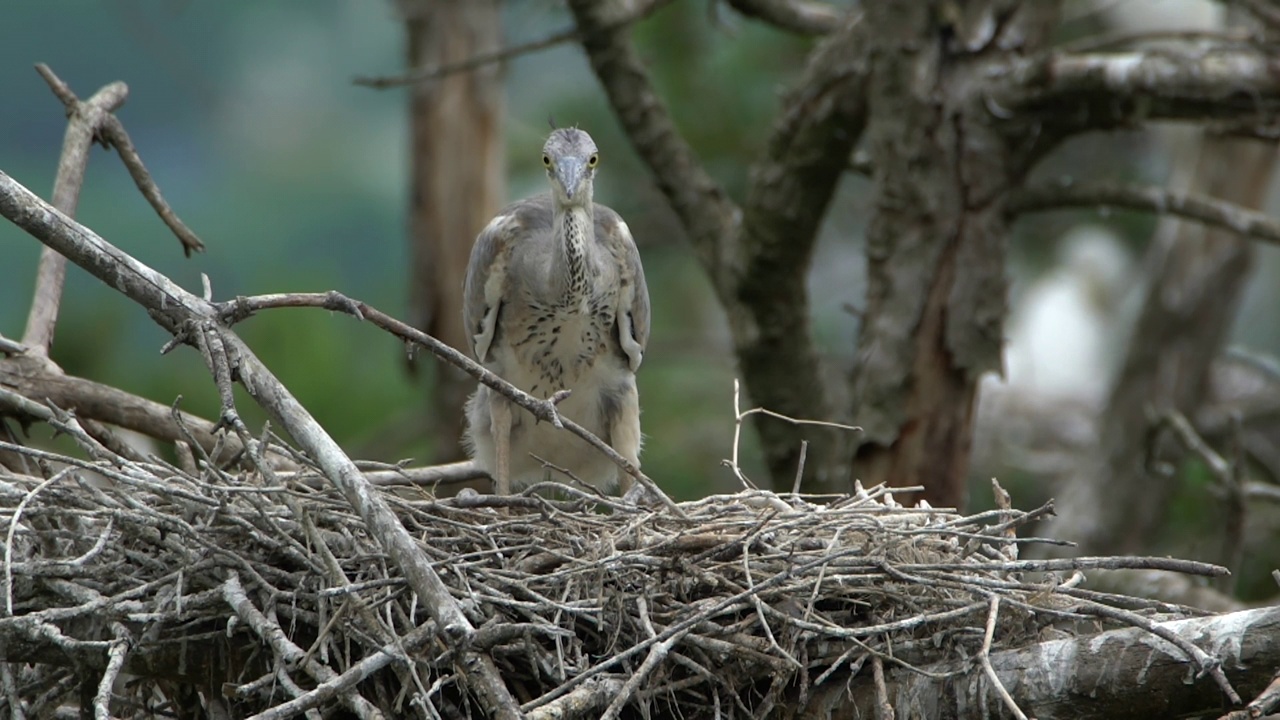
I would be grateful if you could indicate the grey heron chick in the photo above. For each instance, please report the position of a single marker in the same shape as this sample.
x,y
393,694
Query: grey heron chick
x,y
555,299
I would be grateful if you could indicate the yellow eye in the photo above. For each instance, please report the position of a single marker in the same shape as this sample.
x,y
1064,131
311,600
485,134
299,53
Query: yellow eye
x,y
593,161
546,160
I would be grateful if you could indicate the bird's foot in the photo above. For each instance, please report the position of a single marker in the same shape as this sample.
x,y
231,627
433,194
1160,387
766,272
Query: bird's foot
x,y
639,495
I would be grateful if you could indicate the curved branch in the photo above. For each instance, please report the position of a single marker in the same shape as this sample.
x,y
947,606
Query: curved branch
x,y
418,75
1192,206
799,16
704,209
242,307
96,401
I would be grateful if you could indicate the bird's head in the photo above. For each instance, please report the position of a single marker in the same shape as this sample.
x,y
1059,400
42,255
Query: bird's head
x,y
570,157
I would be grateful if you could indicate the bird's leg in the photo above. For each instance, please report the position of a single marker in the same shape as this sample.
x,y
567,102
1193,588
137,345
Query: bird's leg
x,y
500,426
624,433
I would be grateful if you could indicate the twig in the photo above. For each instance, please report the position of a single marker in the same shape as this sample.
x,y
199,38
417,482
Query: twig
x,y
984,657
13,527
10,687
884,710
114,133
345,682
740,415
1228,474
115,662
639,12
271,633
11,347
94,400
181,312
1262,706
1207,664
242,307
657,653
804,451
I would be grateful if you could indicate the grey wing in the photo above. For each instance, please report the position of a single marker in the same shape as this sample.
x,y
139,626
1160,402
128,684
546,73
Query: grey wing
x,y
486,278
633,299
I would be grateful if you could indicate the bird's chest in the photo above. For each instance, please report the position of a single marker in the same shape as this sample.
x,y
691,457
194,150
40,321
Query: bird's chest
x,y
560,343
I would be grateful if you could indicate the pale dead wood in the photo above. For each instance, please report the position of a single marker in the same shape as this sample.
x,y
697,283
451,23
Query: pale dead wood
x,y
984,657
11,347
115,663
84,121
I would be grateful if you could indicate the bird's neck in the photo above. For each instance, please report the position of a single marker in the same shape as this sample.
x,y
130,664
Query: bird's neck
x,y
575,229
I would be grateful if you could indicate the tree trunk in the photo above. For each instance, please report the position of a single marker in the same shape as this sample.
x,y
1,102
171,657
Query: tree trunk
x,y
457,180
936,242
1116,504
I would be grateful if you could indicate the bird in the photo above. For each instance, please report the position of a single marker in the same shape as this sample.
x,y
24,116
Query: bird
x,y
555,299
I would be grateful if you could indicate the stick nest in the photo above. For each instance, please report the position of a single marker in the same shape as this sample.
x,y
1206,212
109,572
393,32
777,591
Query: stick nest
x,y
246,593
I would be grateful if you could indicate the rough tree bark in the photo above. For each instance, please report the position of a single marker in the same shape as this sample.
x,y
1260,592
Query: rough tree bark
x,y
457,180
944,167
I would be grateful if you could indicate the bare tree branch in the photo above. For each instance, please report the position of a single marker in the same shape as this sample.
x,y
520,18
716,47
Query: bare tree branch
x,y
799,16
242,307
85,120
114,134
96,401
11,347
1193,206
639,12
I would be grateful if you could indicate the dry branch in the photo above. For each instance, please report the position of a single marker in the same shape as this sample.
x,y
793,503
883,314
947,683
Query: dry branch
x,y
85,119
1207,210
638,12
800,16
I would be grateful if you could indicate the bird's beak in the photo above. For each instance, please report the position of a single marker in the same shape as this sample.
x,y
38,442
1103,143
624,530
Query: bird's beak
x,y
570,173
